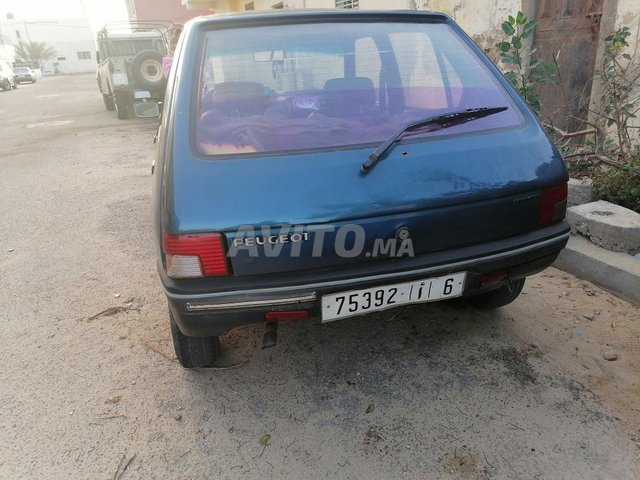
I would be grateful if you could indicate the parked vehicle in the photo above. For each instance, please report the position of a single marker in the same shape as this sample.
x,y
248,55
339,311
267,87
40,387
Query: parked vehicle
x,y
7,80
24,74
129,73
305,175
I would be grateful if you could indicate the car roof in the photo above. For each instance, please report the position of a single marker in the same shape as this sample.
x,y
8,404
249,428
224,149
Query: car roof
x,y
145,34
311,13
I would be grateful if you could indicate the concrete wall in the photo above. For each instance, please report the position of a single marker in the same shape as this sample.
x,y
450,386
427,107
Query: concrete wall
x,y
383,4
478,17
172,10
481,19
628,14
364,4
617,14
68,36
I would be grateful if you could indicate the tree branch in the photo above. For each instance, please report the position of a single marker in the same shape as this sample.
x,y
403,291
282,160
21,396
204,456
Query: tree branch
x,y
564,134
617,164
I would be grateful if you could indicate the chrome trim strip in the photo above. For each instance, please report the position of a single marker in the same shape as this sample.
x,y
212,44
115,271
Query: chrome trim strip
x,y
199,307
227,296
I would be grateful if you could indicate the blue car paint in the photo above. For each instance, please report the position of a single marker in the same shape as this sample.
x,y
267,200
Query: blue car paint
x,y
325,187
432,177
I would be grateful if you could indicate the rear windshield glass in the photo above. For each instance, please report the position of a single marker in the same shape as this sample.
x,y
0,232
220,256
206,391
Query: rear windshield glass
x,y
309,86
132,47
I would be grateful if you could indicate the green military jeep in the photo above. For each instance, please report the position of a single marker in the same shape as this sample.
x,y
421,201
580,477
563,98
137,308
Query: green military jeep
x,y
129,73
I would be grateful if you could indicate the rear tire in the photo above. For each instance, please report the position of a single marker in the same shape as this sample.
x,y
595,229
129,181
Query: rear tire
x,y
108,102
122,109
6,85
499,297
147,70
194,352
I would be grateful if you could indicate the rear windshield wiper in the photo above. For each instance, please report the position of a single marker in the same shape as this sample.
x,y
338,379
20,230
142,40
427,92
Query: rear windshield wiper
x,y
441,121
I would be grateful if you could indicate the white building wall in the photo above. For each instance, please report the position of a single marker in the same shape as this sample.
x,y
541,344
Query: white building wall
x,y
7,54
68,36
384,4
311,3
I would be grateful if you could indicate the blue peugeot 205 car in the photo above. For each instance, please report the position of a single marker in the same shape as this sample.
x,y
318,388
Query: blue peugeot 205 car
x,y
326,164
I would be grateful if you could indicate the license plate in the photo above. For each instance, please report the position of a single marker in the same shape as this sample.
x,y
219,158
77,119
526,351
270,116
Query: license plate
x,y
359,302
142,94
119,79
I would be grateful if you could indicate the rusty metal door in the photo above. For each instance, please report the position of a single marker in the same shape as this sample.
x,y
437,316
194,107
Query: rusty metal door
x,y
568,30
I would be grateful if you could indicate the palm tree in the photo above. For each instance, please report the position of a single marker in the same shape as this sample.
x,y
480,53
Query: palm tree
x,y
35,52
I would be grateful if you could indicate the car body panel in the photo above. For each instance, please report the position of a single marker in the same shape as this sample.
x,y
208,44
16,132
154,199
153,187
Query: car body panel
x,y
464,193
24,74
214,301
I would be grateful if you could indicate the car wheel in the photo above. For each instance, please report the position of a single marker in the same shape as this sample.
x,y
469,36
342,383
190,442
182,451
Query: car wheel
x,y
194,352
6,85
147,70
499,297
122,109
33,81
15,85
108,102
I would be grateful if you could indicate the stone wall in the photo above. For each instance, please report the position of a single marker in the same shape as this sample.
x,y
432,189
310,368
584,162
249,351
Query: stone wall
x,y
618,14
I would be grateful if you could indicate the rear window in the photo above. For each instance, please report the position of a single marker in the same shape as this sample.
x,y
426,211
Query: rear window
x,y
301,87
133,47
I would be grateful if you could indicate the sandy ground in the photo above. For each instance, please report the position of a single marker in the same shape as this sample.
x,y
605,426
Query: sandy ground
x,y
437,391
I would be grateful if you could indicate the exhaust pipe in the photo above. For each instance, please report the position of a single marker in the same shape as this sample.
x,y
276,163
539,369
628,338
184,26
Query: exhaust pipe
x,y
270,337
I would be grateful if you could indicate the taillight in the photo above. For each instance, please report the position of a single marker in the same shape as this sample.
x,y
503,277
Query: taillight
x,y
195,255
553,204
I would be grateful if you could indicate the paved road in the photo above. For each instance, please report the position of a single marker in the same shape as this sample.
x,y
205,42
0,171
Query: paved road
x,y
519,393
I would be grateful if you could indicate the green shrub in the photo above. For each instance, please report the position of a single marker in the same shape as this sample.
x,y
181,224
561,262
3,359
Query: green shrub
x,y
620,185
526,73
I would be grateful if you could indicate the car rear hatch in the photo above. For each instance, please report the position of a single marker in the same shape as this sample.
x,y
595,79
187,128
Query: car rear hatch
x,y
275,146
318,211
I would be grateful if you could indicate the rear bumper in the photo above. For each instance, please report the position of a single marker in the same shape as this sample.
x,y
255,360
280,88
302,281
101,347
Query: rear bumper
x,y
199,312
128,94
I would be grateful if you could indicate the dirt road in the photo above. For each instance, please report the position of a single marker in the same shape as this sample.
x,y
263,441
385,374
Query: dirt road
x,y
89,387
